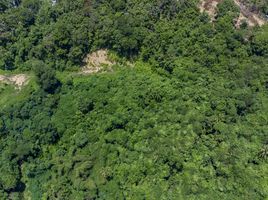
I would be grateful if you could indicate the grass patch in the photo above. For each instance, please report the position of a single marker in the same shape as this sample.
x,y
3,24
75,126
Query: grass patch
x,y
10,95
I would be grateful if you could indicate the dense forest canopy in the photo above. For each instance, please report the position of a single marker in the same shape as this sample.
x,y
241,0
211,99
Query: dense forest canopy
x,y
182,114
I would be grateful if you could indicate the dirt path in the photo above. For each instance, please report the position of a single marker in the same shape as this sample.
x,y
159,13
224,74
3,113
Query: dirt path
x,y
18,80
252,19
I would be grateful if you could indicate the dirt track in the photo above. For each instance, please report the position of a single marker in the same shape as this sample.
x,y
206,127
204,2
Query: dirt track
x,y
253,19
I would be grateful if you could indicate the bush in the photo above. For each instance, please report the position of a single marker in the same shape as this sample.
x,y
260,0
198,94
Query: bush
x,y
46,77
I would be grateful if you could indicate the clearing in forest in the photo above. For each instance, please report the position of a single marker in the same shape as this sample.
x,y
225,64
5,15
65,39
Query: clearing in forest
x,y
18,80
96,61
210,7
252,19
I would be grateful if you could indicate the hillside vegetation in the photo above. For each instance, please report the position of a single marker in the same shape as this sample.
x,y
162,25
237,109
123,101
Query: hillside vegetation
x,y
187,119
257,5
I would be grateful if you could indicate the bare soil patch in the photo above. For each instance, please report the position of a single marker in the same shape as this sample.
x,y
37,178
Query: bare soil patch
x,y
242,18
96,61
18,80
252,19
209,6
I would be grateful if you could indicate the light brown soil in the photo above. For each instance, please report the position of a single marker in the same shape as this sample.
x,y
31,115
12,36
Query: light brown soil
x,y
252,19
18,80
96,61
241,19
209,6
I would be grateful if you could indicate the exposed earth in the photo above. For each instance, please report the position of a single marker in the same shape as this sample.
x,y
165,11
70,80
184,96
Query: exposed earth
x,y
252,19
18,80
96,61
